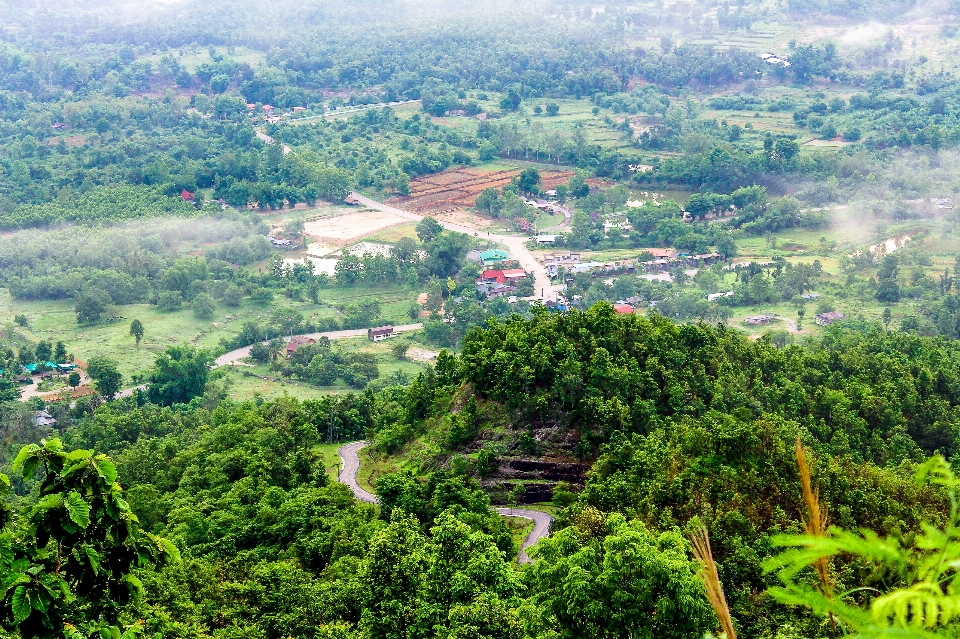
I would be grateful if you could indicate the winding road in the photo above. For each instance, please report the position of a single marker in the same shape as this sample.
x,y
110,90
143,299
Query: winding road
x,y
236,355
517,245
350,466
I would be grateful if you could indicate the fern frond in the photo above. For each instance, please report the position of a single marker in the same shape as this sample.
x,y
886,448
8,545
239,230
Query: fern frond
x,y
922,605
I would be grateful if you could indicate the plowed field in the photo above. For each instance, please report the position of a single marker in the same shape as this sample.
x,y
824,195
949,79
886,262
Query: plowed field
x,y
457,189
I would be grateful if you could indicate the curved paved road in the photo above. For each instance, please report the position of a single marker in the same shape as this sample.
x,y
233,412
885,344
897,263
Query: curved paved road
x,y
517,245
541,527
350,466
235,356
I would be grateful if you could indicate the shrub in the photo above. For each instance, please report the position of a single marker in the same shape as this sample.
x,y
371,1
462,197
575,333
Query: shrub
x,y
169,301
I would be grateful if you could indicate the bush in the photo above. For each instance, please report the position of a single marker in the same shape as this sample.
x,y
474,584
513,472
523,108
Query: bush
x,y
260,353
21,320
169,301
203,306
232,296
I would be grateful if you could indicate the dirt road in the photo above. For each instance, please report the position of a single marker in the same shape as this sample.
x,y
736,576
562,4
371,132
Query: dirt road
x,y
350,466
543,289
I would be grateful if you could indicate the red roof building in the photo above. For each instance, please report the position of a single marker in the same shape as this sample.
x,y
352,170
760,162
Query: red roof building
x,y
186,196
493,276
623,309
660,252
297,342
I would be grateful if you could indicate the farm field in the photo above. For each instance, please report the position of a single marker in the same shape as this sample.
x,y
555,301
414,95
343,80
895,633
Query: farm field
x,y
458,188
344,229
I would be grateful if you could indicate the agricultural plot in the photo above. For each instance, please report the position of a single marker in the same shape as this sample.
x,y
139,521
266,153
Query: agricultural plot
x,y
457,189
345,229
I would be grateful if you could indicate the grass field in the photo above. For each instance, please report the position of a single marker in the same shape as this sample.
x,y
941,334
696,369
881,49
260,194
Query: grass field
x,y
192,57
56,321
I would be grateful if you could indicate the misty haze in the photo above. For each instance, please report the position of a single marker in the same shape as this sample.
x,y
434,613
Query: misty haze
x,y
403,319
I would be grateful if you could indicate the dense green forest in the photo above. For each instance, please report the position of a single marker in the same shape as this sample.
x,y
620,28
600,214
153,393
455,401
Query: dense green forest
x,y
685,426
173,179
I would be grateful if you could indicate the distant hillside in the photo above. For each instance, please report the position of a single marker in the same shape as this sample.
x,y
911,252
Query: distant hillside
x,y
532,402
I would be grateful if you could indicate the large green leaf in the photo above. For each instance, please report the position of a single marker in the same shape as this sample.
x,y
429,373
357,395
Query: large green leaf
x,y
53,445
110,632
14,578
77,455
50,501
106,468
78,509
6,550
27,460
21,604
93,557
169,549
134,584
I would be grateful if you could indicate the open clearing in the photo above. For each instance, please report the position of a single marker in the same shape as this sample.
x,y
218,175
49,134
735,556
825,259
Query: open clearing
x,y
457,189
344,229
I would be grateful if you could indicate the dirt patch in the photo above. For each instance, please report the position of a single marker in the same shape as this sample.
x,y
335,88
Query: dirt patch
x,y
70,140
421,354
344,229
465,218
457,189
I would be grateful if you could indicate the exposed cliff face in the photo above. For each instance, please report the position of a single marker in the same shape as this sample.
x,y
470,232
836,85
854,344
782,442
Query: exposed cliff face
x,y
538,477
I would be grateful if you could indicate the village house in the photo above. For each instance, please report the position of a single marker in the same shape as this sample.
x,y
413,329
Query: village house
x,y
825,319
493,256
514,274
623,309
380,333
715,296
770,58
494,283
296,343
279,242
660,253
491,290
492,277
759,320
44,419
